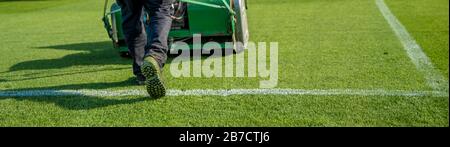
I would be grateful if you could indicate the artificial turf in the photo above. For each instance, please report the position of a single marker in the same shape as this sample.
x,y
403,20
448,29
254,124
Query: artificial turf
x,y
323,44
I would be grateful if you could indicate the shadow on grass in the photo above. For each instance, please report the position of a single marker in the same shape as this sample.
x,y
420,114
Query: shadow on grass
x,y
94,53
82,102
32,76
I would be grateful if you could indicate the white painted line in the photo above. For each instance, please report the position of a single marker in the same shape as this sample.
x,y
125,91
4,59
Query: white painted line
x,y
210,92
434,79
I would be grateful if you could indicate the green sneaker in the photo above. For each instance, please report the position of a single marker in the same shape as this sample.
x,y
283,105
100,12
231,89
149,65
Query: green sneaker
x,y
154,82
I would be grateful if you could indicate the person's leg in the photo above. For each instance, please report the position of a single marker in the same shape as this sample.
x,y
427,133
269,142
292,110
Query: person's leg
x,y
134,32
160,25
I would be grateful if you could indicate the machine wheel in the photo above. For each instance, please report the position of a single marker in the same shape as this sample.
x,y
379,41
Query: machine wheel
x,y
241,34
125,54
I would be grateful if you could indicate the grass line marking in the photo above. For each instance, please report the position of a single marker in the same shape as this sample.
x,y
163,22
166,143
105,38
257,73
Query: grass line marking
x,y
433,77
223,92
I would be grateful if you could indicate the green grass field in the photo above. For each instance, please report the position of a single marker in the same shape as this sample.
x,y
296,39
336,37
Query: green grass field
x,y
323,44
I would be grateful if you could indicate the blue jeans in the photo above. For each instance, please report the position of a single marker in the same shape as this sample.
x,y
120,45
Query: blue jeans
x,y
139,45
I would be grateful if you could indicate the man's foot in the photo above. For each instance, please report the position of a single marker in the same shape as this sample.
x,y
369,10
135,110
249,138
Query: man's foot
x,y
153,83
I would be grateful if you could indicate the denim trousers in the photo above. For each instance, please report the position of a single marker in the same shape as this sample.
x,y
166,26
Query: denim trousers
x,y
142,43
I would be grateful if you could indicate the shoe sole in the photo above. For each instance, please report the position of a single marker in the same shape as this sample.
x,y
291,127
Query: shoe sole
x,y
154,85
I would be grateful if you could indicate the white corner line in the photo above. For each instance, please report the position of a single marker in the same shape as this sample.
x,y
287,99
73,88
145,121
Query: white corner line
x,y
433,77
224,92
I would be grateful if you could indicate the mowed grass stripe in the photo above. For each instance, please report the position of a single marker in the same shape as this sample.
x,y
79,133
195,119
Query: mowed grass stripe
x,y
415,52
333,45
223,92
324,44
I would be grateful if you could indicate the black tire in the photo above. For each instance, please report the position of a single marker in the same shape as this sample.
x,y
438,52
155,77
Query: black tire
x,y
125,54
241,34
